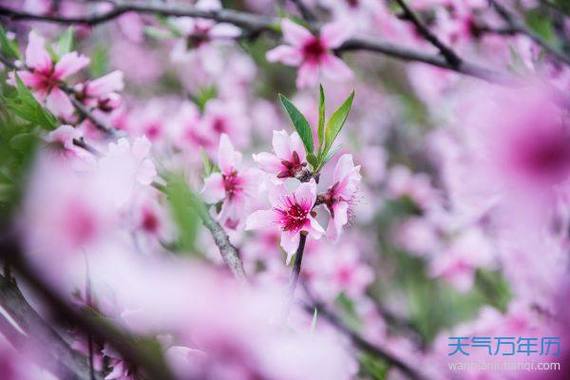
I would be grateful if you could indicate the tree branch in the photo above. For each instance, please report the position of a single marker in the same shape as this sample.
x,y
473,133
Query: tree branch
x,y
518,26
122,342
228,251
307,14
297,264
450,56
257,23
12,300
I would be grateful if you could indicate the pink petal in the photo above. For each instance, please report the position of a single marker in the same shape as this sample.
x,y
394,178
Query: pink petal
x,y
146,172
297,146
316,230
225,31
335,68
287,55
106,84
69,64
31,80
213,190
37,56
58,103
308,75
278,195
334,34
282,145
294,33
306,194
268,162
260,220
289,243
228,158
334,228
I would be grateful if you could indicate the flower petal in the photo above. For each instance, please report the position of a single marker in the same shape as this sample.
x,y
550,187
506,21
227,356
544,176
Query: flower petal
x,y
268,162
228,158
336,224
225,30
297,146
58,103
282,145
287,55
37,56
213,190
335,68
334,34
306,194
69,64
260,219
308,75
289,243
294,33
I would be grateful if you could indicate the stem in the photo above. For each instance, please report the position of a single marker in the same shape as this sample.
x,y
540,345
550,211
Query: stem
x,y
257,24
297,264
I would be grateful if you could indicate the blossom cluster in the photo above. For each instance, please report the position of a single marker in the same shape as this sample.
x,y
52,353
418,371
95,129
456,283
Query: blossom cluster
x,y
251,191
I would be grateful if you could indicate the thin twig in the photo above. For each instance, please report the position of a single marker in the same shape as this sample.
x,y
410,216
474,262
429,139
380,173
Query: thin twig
x,y
257,24
450,56
356,339
307,14
518,26
228,251
122,342
297,264
37,329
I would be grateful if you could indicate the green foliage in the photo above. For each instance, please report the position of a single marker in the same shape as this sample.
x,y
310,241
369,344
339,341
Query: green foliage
x,y
22,103
327,131
185,207
65,43
8,48
21,120
335,124
99,64
542,25
299,122
205,94
372,367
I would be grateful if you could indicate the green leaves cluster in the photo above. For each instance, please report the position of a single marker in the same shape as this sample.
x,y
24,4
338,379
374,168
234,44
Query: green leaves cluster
x,y
8,47
185,207
21,120
327,130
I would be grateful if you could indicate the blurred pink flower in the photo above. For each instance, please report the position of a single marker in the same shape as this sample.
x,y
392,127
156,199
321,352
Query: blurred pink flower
x,y
44,76
289,158
312,53
291,212
341,195
101,92
232,185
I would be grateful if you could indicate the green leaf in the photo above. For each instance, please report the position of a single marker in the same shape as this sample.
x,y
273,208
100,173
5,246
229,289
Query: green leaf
x,y
321,128
336,122
25,106
8,48
312,160
299,122
183,205
99,61
65,42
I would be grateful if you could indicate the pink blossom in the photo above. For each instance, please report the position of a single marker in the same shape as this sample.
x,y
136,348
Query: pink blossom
x,y
232,185
102,92
312,53
291,212
44,76
341,195
289,159
225,117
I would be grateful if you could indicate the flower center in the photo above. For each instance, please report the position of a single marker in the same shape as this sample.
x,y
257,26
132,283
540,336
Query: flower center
x,y
47,79
232,184
291,168
314,50
149,222
294,217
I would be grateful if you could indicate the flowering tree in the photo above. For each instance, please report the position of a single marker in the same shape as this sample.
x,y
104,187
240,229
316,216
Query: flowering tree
x,y
307,189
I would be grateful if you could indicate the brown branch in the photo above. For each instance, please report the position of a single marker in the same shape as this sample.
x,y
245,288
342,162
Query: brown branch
x,y
519,27
450,56
70,362
360,342
122,342
256,24
297,264
228,251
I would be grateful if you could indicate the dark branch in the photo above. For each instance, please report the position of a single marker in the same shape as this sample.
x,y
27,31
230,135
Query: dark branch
x,y
297,264
519,27
307,14
257,24
450,56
